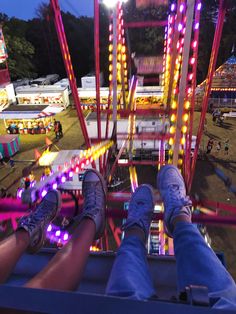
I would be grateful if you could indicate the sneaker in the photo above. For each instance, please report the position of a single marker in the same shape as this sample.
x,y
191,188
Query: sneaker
x,y
36,223
173,192
141,209
94,193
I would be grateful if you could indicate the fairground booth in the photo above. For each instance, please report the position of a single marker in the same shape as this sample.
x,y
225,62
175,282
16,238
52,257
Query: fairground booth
x,y
9,145
25,119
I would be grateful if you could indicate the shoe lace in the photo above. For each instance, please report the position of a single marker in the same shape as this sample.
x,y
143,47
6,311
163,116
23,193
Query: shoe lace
x,y
93,196
43,212
175,197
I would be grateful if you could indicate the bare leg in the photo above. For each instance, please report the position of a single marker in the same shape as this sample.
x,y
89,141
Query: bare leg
x,y
11,250
66,268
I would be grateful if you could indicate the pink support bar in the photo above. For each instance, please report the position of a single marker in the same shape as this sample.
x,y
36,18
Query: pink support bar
x,y
146,24
68,66
212,65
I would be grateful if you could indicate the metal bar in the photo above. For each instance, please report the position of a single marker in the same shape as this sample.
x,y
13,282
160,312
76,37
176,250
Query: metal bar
x,y
97,68
212,65
114,69
68,66
139,163
183,79
192,102
145,24
174,53
116,160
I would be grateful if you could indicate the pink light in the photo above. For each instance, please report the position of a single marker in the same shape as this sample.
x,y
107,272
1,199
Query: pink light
x,y
82,165
181,8
66,237
49,228
57,234
190,76
199,6
54,186
197,26
77,169
19,193
195,44
44,192
192,61
180,27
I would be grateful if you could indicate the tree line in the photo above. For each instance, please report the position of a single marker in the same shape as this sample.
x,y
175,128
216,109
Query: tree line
x,y
34,50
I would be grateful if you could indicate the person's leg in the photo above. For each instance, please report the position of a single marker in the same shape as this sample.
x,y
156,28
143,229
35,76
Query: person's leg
x,y
11,250
65,270
196,262
130,276
29,235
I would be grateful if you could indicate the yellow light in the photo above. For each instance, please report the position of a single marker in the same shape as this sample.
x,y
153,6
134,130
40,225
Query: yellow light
x,y
187,105
110,68
172,130
184,129
110,48
185,117
110,77
110,58
181,152
180,162
174,105
173,118
171,141
123,49
183,140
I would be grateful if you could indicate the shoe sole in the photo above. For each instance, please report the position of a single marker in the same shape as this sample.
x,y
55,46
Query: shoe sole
x,y
104,187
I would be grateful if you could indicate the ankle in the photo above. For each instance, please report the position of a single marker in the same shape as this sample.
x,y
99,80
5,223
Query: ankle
x,y
181,218
135,231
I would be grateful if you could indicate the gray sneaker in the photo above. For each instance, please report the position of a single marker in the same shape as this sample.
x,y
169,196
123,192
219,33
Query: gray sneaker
x,y
94,193
173,192
141,209
36,222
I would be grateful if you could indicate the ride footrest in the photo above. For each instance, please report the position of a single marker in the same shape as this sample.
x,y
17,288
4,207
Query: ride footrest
x,y
195,295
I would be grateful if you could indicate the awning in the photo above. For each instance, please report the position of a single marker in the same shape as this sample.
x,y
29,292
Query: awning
x,y
24,115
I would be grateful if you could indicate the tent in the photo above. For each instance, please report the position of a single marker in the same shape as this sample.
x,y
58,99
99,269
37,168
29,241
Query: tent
x,y
9,145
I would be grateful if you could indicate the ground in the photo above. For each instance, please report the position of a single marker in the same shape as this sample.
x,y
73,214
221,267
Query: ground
x,y
206,183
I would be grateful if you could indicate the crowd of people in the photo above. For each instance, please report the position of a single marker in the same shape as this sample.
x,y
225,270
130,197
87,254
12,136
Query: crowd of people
x,y
217,146
29,126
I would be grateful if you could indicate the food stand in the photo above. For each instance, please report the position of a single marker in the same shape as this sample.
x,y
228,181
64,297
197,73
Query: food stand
x,y
23,119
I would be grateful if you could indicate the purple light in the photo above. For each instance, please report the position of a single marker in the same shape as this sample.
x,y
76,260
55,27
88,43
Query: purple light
x,y
63,179
44,192
66,237
70,174
57,234
199,6
19,193
49,228
172,8
181,8
197,26
54,186
180,27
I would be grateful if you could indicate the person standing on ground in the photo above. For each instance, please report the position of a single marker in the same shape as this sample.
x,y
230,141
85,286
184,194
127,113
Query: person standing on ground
x,y
227,147
1,160
218,147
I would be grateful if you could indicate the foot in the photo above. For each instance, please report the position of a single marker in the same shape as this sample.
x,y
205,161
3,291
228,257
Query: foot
x,y
36,223
173,192
94,193
141,209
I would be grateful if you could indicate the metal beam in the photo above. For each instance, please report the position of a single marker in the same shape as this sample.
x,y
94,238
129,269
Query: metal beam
x,y
145,24
183,79
211,69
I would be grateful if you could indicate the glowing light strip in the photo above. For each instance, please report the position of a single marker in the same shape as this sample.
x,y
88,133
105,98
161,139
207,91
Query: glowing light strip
x,y
65,172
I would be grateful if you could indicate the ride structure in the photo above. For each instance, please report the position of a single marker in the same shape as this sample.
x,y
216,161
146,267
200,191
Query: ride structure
x,y
174,143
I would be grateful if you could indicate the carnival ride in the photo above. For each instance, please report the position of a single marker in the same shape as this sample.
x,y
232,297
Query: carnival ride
x,y
176,105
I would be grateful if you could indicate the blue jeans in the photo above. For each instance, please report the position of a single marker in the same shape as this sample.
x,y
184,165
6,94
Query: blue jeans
x,y
196,264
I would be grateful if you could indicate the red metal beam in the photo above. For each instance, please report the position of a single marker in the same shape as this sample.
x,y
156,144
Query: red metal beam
x,y
212,65
97,68
139,163
145,24
145,136
68,66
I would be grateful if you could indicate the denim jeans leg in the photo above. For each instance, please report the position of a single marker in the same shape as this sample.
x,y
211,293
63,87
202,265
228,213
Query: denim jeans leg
x,y
197,264
130,276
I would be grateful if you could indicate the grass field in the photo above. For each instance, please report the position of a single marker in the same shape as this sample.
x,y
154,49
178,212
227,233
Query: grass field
x,y
206,184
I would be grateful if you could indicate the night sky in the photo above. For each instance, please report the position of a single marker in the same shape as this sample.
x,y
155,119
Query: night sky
x,y
25,9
